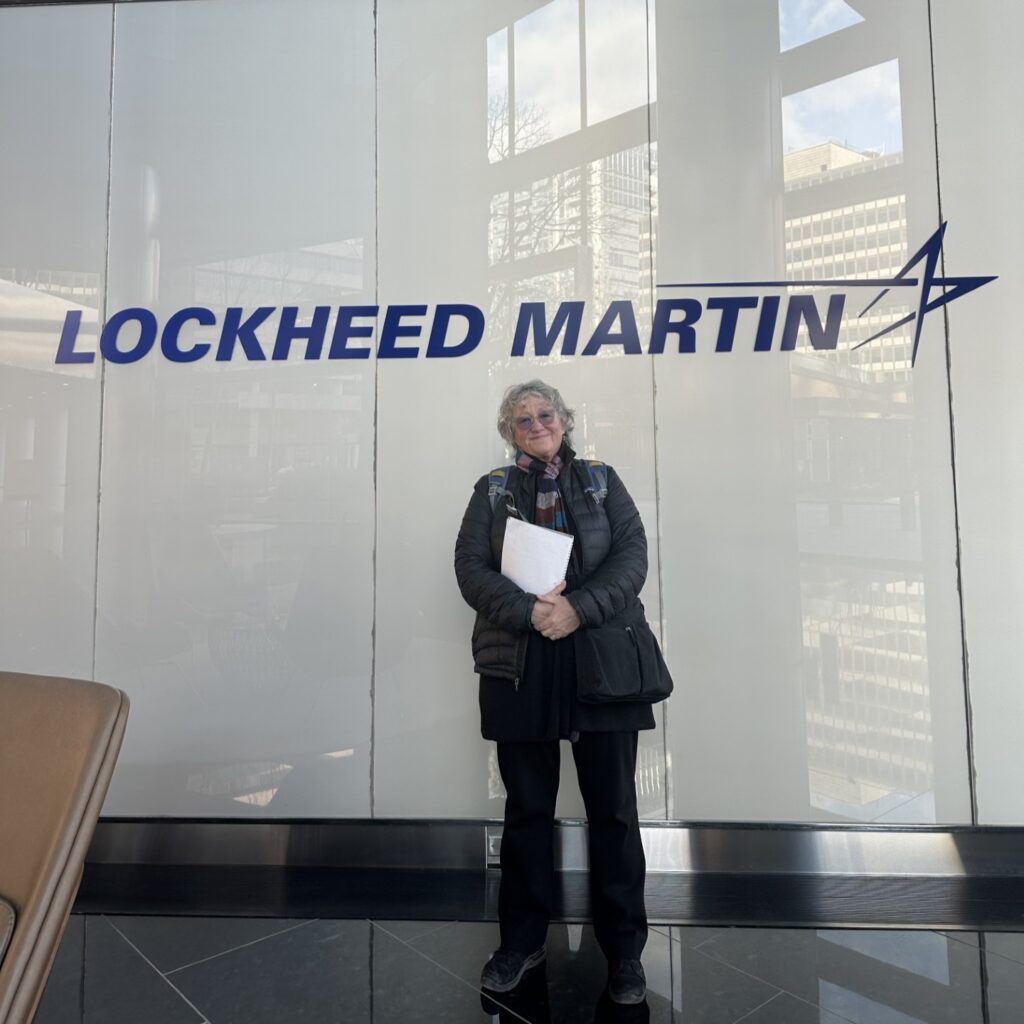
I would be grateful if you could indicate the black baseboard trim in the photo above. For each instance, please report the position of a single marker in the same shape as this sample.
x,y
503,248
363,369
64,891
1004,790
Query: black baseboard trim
x,y
674,848
794,901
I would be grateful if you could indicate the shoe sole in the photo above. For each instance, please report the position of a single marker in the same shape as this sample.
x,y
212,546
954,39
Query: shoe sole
x,y
531,961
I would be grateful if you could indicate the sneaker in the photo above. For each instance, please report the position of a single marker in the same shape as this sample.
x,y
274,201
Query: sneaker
x,y
506,968
627,983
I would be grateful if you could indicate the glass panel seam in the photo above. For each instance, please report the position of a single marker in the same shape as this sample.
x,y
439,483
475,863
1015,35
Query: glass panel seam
x,y
376,423
972,781
667,775
102,315
582,27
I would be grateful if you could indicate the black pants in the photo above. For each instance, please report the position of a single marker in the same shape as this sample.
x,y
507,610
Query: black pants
x,y
605,765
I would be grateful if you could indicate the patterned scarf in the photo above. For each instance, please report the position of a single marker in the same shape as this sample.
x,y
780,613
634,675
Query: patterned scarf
x,y
549,512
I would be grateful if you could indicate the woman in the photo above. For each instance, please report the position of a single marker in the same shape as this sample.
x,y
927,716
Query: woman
x,y
524,650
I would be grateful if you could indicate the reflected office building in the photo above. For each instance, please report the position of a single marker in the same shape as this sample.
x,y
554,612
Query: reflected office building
x,y
865,668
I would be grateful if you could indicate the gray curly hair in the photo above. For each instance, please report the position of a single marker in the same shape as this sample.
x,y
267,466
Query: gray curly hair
x,y
518,393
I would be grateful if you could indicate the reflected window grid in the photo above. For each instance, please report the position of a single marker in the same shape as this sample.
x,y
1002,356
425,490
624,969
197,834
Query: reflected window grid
x,y
584,229
867,697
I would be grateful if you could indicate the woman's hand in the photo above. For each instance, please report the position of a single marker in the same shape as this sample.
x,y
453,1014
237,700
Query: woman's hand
x,y
542,607
561,618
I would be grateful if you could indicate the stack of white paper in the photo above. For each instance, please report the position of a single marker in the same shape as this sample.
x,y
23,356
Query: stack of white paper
x,y
534,557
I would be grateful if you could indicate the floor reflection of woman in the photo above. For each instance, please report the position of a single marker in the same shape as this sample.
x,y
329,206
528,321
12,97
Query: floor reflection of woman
x,y
524,650
531,1002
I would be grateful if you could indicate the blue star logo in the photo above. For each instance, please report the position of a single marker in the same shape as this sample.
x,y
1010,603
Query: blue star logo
x,y
929,254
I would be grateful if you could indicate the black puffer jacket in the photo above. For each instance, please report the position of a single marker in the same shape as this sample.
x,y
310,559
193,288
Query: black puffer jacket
x,y
607,569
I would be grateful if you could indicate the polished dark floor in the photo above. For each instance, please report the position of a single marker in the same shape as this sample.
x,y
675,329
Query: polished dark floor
x,y
165,970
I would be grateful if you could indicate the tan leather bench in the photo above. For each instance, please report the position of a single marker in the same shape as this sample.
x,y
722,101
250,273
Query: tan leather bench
x,y
59,739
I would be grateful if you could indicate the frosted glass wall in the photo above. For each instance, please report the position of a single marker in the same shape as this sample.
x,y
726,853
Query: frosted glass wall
x,y
981,146
259,549
53,177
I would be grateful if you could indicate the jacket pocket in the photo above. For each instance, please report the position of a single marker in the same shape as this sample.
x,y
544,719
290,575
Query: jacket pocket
x,y
620,663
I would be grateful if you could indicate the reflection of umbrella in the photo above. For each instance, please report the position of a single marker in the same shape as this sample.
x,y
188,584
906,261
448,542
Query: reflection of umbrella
x,y
30,326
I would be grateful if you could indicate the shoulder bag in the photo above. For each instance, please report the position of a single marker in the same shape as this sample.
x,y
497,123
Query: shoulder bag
x,y
620,662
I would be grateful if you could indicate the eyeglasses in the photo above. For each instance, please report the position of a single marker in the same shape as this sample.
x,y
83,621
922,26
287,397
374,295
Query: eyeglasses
x,y
545,419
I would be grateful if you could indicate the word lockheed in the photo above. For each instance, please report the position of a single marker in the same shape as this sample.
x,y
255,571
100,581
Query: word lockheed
x,y
457,329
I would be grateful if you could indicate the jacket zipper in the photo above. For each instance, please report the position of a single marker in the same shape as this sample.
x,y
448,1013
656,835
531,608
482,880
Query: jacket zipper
x,y
522,662
636,654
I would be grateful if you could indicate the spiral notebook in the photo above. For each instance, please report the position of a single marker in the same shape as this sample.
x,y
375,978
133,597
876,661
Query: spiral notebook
x,y
534,557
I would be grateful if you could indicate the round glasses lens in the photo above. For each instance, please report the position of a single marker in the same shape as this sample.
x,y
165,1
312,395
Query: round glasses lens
x,y
545,419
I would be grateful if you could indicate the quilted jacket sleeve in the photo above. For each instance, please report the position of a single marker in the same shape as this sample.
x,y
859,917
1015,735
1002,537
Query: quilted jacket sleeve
x,y
496,598
617,581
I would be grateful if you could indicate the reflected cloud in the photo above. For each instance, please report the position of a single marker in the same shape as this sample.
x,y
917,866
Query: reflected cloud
x,y
498,146
547,68
542,101
861,110
801,21
616,32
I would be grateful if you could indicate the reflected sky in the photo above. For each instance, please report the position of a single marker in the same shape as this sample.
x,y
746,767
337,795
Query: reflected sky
x,y
552,94
547,69
861,110
875,977
850,1005
923,953
800,21
616,57
497,96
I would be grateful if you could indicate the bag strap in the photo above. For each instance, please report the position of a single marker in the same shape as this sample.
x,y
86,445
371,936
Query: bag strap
x,y
598,474
497,485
